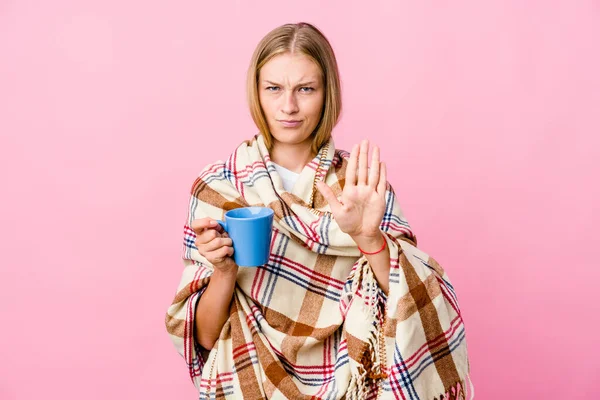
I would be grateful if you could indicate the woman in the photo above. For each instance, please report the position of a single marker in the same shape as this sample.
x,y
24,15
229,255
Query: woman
x,y
347,306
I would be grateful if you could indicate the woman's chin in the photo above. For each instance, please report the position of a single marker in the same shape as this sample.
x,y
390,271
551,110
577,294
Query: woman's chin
x,y
291,137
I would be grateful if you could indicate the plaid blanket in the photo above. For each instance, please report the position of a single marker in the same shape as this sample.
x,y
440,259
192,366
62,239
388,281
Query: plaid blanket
x,y
312,323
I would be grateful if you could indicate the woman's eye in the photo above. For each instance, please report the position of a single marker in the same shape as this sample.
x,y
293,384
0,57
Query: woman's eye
x,y
304,89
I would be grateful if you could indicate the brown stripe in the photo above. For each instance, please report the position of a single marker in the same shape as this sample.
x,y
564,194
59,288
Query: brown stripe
x,y
286,325
203,192
276,374
175,326
280,208
287,199
437,267
407,307
431,324
356,347
192,287
245,373
310,310
219,393
269,388
226,331
389,329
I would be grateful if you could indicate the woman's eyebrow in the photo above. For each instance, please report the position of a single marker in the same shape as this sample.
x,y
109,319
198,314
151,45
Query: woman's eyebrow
x,y
299,84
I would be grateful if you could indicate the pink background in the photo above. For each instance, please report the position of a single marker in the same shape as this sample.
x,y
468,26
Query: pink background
x,y
489,117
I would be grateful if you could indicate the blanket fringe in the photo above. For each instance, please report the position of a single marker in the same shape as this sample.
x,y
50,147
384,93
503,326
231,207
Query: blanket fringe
x,y
372,365
458,391
455,392
371,368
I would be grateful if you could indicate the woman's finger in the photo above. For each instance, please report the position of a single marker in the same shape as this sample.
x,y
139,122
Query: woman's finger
x,y
363,160
216,244
200,224
329,196
351,168
382,185
219,255
374,171
206,236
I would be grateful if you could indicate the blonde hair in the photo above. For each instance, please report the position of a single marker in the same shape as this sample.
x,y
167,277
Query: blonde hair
x,y
306,39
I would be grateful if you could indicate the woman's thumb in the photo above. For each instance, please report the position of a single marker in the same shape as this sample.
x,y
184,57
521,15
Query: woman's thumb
x,y
329,196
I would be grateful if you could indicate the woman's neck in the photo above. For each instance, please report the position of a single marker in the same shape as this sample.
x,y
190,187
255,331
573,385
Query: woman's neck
x,y
292,156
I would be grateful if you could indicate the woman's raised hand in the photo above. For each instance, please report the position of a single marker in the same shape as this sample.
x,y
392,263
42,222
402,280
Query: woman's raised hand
x,y
361,207
214,244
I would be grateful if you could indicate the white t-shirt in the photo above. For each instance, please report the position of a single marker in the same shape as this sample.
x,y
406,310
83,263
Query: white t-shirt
x,y
288,177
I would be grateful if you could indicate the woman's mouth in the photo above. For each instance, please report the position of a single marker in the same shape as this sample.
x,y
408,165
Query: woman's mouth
x,y
290,123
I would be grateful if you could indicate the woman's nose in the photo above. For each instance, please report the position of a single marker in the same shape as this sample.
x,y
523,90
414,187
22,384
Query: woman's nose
x,y
290,105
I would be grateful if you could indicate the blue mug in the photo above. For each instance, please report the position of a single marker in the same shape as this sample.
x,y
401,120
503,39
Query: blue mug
x,y
250,230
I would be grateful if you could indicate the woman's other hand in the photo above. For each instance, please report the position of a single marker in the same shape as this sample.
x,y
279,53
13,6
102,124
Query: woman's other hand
x,y
361,207
214,244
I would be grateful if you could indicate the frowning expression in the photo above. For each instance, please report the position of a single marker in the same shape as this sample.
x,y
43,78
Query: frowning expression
x,y
291,94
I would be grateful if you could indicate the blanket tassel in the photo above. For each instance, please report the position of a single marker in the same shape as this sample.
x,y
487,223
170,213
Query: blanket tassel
x,y
458,391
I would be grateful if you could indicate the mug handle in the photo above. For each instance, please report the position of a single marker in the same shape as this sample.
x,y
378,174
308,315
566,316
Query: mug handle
x,y
223,224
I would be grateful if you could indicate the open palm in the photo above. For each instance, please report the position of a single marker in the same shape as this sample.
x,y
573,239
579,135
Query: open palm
x,y
361,206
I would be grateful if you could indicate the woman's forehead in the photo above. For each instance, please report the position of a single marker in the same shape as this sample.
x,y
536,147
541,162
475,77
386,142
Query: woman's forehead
x,y
287,68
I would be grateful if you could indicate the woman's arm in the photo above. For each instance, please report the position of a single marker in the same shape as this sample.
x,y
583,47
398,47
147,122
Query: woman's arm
x,y
212,309
380,262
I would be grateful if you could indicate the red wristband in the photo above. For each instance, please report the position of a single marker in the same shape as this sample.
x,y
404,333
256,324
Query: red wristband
x,y
378,251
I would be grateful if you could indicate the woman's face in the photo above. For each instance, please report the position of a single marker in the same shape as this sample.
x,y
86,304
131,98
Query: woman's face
x,y
291,95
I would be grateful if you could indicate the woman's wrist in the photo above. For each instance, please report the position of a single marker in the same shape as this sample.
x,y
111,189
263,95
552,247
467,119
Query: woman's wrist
x,y
228,273
371,243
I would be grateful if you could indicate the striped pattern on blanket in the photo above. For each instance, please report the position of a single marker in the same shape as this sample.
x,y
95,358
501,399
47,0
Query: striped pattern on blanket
x,y
312,323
